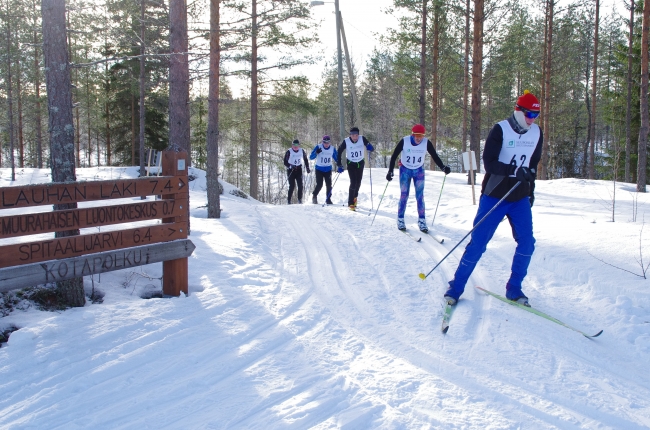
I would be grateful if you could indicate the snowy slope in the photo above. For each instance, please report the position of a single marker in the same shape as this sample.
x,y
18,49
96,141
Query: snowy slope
x,y
305,316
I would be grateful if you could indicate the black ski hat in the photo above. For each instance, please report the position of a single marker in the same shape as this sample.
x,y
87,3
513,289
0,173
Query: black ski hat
x,y
296,142
354,130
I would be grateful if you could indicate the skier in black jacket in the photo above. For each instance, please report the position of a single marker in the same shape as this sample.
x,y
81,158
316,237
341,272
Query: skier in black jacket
x,y
512,151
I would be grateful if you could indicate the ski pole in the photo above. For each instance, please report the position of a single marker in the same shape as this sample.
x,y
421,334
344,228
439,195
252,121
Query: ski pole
x,y
372,205
441,187
331,189
382,198
423,276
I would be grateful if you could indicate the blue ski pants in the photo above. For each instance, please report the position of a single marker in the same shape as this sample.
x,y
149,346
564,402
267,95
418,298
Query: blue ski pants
x,y
521,219
405,176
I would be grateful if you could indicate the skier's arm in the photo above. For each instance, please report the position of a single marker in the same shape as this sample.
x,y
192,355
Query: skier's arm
x,y
313,154
336,155
432,151
537,155
491,153
286,159
304,157
396,152
340,151
367,144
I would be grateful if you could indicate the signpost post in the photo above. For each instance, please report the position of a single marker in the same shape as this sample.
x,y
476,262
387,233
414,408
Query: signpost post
x,y
468,164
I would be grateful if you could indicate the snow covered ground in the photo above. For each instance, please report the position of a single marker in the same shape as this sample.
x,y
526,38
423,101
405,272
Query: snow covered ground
x,y
305,316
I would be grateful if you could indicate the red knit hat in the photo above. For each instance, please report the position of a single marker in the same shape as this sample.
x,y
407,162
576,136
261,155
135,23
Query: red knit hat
x,y
527,101
418,129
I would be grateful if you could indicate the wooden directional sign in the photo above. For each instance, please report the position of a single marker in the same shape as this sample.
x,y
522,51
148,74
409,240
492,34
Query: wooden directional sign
x,y
74,246
62,193
91,264
72,219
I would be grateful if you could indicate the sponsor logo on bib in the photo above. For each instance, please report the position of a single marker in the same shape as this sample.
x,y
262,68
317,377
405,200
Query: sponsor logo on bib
x,y
511,144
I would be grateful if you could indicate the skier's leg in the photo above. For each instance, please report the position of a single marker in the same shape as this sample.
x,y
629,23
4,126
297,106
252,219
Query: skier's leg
x,y
328,182
299,181
292,185
418,181
521,219
478,243
319,182
405,176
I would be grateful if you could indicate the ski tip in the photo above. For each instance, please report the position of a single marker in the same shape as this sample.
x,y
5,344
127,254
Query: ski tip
x,y
422,276
596,335
419,239
444,330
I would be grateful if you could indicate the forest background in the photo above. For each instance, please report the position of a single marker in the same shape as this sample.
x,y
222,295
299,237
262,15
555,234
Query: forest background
x,y
456,67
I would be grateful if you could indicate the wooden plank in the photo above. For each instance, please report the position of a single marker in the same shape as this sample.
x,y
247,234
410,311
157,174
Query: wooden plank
x,y
74,192
74,246
71,219
101,262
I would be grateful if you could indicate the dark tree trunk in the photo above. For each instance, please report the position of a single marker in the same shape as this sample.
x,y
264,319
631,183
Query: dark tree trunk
x,y
423,63
254,100
436,79
546,113
179,78
594,82
466,82
628,113
21,140
10,107
132,129
477,78
37,93
212,179
142,88
61,126
643,131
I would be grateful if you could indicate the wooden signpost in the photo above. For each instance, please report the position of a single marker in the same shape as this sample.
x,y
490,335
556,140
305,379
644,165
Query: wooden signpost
x,y
56,259
469,165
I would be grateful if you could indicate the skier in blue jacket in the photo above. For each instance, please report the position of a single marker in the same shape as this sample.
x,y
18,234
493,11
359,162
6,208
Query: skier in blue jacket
x,y
512,151
324,153
413,150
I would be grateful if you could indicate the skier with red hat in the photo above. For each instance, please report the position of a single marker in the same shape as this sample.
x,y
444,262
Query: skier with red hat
x,y
511,154
411,166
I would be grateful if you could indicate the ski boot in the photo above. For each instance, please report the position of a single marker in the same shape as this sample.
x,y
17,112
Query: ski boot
x,y
314,200
422,224
400,224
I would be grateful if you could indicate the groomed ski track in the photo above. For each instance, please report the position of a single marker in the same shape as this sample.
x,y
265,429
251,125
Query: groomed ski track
x,y
305,316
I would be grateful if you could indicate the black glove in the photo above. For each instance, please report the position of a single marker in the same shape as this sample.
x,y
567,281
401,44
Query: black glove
x,y
524,174
389,175
447,170
532,199
308,171
318,150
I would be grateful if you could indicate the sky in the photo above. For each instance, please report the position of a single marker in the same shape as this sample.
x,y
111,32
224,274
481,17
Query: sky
x,y
365,21
312,317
